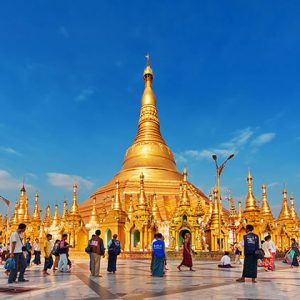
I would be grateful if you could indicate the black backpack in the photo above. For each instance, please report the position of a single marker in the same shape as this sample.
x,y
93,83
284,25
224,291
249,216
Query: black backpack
x,y
250,243
115,248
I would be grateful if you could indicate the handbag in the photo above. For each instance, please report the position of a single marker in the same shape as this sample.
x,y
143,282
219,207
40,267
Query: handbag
x,y
259,253
89,249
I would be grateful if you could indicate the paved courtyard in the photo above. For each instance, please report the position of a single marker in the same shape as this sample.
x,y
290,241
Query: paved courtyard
x,y
133,281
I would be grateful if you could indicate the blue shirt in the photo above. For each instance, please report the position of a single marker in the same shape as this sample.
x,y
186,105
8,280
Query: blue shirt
x,y
158,248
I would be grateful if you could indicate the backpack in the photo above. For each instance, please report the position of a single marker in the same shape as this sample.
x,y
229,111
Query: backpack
x,y
55,249
250,243
115,248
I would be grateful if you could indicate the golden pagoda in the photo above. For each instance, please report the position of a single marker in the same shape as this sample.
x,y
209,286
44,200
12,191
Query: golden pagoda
x,y
36,216
267,219
148,155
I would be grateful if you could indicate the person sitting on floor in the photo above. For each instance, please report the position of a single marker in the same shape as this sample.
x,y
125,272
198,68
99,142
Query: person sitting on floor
x,y
225,261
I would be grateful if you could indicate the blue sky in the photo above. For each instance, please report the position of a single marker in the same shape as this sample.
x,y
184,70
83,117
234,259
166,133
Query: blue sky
x,y
226,79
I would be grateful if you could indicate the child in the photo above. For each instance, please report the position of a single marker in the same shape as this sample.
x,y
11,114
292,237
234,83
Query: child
x,y
9,265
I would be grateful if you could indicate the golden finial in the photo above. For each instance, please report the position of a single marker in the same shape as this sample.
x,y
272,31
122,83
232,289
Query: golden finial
x,y
185,174
147,56
116,201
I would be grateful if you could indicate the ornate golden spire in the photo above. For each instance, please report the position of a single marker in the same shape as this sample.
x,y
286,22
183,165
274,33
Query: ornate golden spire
x,y
240,210
284,213
56,218
74,211
250,199
293,212
185,201
47,218
22,204
15,219
149,149
265,207
130,209
94,220
36,213
116,205
210,205
155,211
142,197
232,211
65,212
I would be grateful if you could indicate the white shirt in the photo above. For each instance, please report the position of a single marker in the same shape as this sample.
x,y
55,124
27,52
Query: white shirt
x,y
36,247
266,247
273,247
225,260
16,237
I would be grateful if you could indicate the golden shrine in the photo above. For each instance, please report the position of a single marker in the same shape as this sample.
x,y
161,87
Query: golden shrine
x,y
150,195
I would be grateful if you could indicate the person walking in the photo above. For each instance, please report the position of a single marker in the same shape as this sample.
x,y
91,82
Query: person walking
x,y
29,251
97,251
295,249
114,249
187,253
237,254
56,254
273,252
48,254
267,262
16,252
37,252
251,243
62,250
158,248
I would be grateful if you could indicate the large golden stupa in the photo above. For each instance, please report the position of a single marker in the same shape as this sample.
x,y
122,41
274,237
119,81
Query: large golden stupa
x,y
150,195
149,172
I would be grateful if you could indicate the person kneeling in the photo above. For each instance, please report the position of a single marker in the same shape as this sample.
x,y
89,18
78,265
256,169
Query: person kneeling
x,y
225,261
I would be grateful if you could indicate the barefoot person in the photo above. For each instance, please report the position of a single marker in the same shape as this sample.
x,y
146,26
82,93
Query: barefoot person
x,y
251,243
187,253
48,246
16,252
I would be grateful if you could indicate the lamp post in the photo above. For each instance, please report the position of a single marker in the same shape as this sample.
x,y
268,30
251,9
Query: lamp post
x,y
219,170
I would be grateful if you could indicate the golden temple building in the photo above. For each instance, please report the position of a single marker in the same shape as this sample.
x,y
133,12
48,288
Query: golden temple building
x,y
148,195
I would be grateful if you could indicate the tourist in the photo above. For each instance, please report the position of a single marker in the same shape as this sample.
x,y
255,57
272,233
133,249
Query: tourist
x,y
251,243
273,252
16,252
225,261
97,251
295,248
152,253
62,250
237,254
37,252
114,249
55,252
187,253
29,249
158,248
267,262
90,253
48,254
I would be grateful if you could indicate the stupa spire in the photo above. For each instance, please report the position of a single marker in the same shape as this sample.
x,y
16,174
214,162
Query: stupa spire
x,y
250,199
149,148
284,213
47,217
265,207
142,196
116,200
130,209
94,220
293,212
184,201
56,218
155,210
74,208
215,212
65,212
240,210
36,216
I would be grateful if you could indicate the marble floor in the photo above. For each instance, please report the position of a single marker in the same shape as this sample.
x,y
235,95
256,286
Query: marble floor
x,y
133,282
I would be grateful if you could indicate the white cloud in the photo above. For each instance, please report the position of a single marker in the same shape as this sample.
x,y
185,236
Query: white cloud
x,y
273,184
9,150
10,183
179,158
263,139
84,94
67,181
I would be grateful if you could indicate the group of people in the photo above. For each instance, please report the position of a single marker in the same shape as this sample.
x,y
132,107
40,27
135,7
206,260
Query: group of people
x,y
18,254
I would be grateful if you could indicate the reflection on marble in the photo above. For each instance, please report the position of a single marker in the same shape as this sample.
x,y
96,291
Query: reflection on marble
x,y
133,282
